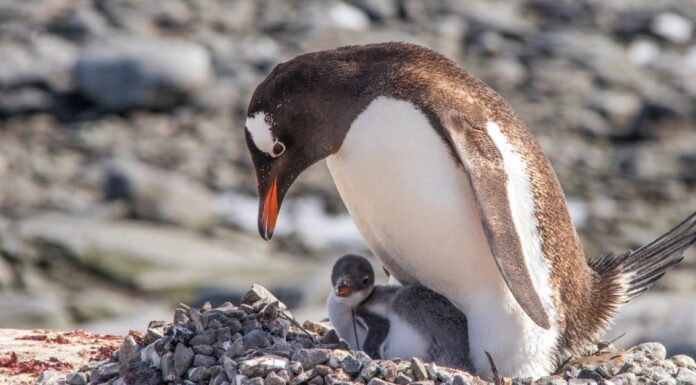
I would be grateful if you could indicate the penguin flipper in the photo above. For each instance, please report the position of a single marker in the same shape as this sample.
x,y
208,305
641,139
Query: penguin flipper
x,y
483,163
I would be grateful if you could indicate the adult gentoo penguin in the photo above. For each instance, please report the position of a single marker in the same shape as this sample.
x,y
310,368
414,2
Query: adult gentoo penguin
x,y
450,190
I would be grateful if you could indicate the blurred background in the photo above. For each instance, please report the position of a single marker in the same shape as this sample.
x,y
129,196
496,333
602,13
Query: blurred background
x,y
125,185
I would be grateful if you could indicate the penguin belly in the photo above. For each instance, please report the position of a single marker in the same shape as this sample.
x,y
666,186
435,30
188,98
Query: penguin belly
x,y
415,208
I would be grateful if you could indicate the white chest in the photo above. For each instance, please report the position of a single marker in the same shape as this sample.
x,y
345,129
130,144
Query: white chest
x,y
415,209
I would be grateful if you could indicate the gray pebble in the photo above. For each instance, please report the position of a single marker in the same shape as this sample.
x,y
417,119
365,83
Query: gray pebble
x,y
418,369
323,370
203,349
684,361
198,374
402,379
303,377
167,367
310,358
296,367
377,381
203,360
624,379
256,339
274,379
458,379
183,357
369,370
255,381
316,381
685,377
76,378
231,367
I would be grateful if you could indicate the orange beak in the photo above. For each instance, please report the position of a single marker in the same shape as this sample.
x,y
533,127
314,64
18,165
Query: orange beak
x,y
270,210
343,291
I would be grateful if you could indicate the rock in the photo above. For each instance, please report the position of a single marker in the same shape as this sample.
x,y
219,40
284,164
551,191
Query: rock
x,y
344,360
167,367
402,379
256,339
205,338
309,358
183,358
684,361
377,381
120,74
255,381
274,379
259,293
76,378
624,379
231,367
458,379
203,360
198,374
652,350
303,377
686,377
672,27
261,366
418,369
150,356
103,373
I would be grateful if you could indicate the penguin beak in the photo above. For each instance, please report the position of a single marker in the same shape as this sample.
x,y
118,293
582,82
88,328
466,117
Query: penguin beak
x,y
269,208
343,289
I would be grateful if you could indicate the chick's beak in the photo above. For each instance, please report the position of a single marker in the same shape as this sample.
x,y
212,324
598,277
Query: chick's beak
x,y
343,290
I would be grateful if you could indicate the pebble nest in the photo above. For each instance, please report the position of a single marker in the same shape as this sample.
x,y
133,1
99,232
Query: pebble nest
x,y
259,343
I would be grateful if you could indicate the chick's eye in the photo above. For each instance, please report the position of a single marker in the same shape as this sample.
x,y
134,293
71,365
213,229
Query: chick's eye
x,y
365,280
278,149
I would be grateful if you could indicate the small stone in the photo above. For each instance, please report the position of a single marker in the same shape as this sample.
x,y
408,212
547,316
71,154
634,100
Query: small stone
x,y
205,338
284,375
248,309
103,373
402,379
181,317
236,349
323,370
686,377
223,334
330,337
316,381
203,360
551,380
432,371
219,379
652,350
303,377
295,367
167,367
231,367
256,339
377,381
310,358
183,357
577,381
624,379
273,379
198,374
213,324
458,379
234,325
427,382
388,370
590,374
344,360
257,293
203,349
418,369
76,378
369,370
316,327
255,381
684,361
672,27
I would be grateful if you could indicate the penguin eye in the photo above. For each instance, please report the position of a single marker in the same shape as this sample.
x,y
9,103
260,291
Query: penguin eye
x,y
278,149
365,280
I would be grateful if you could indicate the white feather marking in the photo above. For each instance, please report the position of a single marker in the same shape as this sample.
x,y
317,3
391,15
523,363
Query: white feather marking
x,y
416,210
259,127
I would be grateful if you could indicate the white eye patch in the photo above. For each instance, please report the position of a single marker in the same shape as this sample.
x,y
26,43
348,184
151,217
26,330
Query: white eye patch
x,y
259,127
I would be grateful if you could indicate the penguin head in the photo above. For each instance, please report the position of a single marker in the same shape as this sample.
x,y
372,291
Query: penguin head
x,y
299,115
352,278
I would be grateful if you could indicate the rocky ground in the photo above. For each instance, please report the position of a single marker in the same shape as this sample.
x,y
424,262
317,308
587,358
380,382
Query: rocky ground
x,y
126,186
260,343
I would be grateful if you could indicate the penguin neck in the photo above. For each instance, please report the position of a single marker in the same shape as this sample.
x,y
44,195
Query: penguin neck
x,y
342,312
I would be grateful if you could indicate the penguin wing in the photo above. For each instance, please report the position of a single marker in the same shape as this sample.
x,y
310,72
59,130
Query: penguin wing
x,y
482,160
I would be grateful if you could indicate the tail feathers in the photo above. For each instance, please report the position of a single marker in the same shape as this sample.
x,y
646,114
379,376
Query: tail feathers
x,y
639,270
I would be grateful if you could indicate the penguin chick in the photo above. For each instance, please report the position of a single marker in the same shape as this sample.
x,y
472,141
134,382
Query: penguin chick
x,y
395,321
